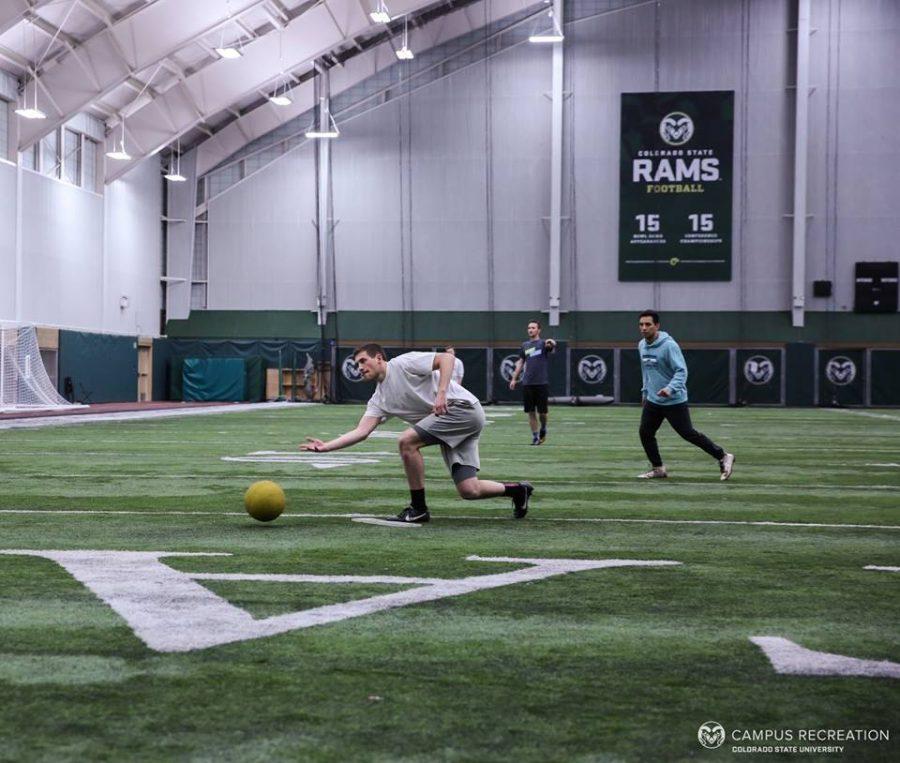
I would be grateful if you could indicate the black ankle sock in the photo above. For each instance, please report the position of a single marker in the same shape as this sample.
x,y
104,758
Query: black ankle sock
x,y
511,488
417,498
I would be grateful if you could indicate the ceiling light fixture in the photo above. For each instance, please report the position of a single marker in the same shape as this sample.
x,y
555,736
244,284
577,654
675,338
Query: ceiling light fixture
x,y
281,98
229,52
174,175
119,153
405,54
553,34
327,126
380,14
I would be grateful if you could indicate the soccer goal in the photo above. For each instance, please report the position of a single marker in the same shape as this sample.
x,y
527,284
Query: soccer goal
x,y
24,384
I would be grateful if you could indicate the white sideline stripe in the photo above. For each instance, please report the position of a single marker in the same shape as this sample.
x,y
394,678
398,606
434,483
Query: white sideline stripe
x,y
385,522
166,413
789,658
881,569
289,578
865,413
354,515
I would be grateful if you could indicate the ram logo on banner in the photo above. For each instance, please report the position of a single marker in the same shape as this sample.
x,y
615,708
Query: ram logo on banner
x,y
351,370
759,370
592,369
840,370
675,186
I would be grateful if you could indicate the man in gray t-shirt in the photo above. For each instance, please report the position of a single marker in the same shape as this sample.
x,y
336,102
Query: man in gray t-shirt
x,y
439,412
536,380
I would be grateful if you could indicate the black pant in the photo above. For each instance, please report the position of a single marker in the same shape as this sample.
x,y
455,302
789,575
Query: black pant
x,y
679,417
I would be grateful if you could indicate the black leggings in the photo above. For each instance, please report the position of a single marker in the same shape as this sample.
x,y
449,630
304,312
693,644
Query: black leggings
x,y
679,417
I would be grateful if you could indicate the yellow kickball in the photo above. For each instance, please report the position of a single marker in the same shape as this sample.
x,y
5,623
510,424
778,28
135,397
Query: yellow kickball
x,y
264,500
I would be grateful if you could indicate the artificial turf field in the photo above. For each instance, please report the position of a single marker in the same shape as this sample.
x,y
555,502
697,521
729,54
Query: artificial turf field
x,y
621,663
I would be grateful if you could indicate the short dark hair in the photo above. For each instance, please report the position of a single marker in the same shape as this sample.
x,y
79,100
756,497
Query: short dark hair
x,y
653,314
371,349
535,321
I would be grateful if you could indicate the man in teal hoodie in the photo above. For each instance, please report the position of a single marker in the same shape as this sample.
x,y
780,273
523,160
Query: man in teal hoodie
x,y
664,397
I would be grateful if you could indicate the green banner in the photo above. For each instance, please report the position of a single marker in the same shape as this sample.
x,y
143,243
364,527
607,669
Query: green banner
x,y
675,186
759,377
592,372
841,377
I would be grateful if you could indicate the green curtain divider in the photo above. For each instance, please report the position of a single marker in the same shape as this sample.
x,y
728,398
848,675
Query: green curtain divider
x,y
103,367
219,379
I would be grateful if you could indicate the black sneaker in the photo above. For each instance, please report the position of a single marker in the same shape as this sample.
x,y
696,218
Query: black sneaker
x,y
521,498
535,439
416,516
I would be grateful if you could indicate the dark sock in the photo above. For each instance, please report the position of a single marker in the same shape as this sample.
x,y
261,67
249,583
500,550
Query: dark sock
x,y
543,431
511,488
417,499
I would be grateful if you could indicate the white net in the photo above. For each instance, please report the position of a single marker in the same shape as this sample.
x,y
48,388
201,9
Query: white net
x,y
24,384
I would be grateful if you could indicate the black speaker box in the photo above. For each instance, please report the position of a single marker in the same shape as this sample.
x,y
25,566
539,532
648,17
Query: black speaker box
x,y
876,287
821,288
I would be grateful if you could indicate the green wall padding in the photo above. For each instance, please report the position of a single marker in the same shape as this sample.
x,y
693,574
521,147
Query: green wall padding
x,y
885,377
221,379
103,367
841,377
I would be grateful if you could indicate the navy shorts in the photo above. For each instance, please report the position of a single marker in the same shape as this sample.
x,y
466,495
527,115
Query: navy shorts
x,y
535,397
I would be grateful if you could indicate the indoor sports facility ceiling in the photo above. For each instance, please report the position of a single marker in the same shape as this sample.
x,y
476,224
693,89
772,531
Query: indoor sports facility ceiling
x,y
151,68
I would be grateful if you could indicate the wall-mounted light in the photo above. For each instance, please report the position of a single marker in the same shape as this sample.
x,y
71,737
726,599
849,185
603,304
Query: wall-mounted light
x,y
124,302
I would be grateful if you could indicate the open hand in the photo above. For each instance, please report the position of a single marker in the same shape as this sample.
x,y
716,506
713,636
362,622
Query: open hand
x,y
314,445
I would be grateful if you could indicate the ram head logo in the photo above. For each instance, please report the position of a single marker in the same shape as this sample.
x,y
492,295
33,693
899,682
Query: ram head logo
x,y
759,370
507,366
840,370
676,128
711,735
350,370
592,369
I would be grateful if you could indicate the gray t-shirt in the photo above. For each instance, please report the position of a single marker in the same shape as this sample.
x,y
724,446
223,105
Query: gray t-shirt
x,y
535,354
409,389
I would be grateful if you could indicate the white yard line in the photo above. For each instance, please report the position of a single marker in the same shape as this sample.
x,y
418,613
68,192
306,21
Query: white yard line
x,y
504,518
165,413
865,413
881,569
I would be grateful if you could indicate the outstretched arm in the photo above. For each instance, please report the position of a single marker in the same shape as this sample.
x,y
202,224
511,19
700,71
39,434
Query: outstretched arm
x,y
365,427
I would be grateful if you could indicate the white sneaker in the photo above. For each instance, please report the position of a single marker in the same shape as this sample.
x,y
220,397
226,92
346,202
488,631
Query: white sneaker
x,y
656,473
726,466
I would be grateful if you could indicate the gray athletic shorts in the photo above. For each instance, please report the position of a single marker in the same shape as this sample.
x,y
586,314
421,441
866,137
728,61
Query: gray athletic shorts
x,y
457,432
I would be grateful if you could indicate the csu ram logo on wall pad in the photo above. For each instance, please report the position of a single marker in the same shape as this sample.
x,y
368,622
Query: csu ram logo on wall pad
x,y
840,370
711,735
592,369
507,366
676,128
350,370
759,370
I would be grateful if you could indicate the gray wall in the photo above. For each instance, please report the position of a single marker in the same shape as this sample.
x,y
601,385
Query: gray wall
x,y
440,195
81,251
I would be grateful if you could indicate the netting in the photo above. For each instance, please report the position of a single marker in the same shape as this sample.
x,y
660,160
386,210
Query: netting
x,y
24,383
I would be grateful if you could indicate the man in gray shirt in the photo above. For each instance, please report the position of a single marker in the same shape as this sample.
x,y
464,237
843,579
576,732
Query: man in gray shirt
x,y
439,412
536,380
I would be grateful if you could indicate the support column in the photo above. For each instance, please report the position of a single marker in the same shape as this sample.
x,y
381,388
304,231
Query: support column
x,y
801,138
324,230
556,143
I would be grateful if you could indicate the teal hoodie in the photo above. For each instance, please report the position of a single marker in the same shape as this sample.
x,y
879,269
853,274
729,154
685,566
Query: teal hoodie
x,y
662,365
